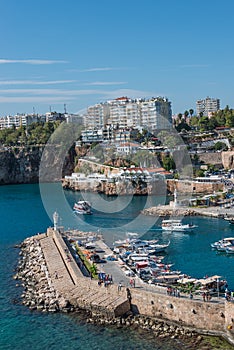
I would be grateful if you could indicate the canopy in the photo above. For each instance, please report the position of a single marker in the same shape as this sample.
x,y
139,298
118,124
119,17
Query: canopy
x,y
186,280
208,280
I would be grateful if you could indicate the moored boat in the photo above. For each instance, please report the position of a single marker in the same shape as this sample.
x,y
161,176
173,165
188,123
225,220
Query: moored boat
x,y
176,225
82,207
222,244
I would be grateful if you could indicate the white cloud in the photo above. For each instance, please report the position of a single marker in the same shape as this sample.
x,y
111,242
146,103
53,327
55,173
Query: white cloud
x,y
108,93
194,66
97,69
105,83
35,82
33,99
31,61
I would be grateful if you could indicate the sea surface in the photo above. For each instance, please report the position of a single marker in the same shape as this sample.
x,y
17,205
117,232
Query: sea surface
x,y
23,213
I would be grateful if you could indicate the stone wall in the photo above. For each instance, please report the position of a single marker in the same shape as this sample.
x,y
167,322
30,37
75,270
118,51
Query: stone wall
x,y
229,320
200,315
228,159
214,158
193,187
96,167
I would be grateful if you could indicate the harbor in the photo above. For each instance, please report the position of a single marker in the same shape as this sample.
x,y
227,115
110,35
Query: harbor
x,y
55,280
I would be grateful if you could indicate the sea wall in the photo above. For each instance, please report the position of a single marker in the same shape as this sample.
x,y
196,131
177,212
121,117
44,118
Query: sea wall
x,y
229,321
196,314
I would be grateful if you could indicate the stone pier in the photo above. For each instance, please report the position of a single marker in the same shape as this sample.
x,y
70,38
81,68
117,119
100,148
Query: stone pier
x,y
80,291
62,286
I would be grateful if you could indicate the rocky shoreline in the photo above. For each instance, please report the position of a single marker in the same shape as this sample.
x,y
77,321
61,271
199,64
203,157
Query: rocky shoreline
x,y
166,210
39,293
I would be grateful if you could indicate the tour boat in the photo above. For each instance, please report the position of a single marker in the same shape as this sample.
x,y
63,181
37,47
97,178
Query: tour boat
x,y
82,207
176,225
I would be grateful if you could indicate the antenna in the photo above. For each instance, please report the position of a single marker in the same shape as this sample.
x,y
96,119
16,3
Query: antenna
x,y
33,110
65,108
50,109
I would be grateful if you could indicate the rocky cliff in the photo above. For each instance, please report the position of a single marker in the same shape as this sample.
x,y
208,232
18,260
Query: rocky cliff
x,y
20,165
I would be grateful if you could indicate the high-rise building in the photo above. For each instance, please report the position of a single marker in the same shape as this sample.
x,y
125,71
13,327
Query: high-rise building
x,y
207,106
154,114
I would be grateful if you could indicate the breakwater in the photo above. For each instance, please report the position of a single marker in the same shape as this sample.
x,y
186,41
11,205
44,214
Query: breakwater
x,y
53,282
171,210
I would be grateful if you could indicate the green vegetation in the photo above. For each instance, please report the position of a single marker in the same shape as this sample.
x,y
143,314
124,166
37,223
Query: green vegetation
x,y
34,134
168,163
92,268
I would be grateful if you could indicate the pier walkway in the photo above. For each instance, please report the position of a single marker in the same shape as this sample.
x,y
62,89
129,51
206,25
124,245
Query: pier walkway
x,y
65,277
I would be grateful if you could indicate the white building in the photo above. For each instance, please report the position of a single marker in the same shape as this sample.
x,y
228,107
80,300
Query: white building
x,y
127,148
207,106
19,120
154,114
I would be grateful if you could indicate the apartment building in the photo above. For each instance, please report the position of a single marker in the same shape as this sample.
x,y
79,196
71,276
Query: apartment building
x,y
19,120
207,106
154,114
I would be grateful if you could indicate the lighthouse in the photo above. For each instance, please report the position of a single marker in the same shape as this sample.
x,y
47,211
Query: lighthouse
x,y
55,218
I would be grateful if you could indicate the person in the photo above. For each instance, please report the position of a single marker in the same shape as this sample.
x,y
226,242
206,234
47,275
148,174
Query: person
x,y
190,295
119,286
129,295
204,296
56,275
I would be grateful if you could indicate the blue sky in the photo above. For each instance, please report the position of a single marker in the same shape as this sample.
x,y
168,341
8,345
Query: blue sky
x,y
84,52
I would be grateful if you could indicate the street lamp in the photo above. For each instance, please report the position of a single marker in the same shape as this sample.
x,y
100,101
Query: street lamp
x,y
218,286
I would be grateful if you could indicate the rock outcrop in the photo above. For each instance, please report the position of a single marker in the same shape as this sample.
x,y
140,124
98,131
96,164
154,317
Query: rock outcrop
x,y
21,165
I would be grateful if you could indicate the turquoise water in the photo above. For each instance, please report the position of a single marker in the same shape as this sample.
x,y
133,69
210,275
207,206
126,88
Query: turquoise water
x,y
22,214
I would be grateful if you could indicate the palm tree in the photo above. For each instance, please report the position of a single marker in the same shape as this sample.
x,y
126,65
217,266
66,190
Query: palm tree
x,y
186,113
191,111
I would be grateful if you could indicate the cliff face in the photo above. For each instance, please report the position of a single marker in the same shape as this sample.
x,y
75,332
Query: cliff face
x,y
21,165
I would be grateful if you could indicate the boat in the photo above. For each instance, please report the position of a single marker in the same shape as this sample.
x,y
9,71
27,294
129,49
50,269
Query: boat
x,y
82,207
230,220
222,244
230,249
176,225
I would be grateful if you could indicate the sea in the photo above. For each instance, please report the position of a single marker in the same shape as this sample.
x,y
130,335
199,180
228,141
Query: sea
x,y
26,210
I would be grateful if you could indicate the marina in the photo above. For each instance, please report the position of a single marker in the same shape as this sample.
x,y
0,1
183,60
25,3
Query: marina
x,y
197,262
67,287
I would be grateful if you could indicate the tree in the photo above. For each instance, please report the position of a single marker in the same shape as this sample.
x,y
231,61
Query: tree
x,y
168,163
180,116
220,146
186,114
191,111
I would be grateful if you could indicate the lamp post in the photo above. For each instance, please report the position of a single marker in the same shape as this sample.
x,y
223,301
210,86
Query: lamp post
x,y
218,286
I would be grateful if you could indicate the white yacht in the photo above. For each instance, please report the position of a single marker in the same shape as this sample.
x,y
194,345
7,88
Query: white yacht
x,y
176,225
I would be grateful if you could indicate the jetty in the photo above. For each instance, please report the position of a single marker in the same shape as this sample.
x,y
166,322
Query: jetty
x,y
170,210
54,280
